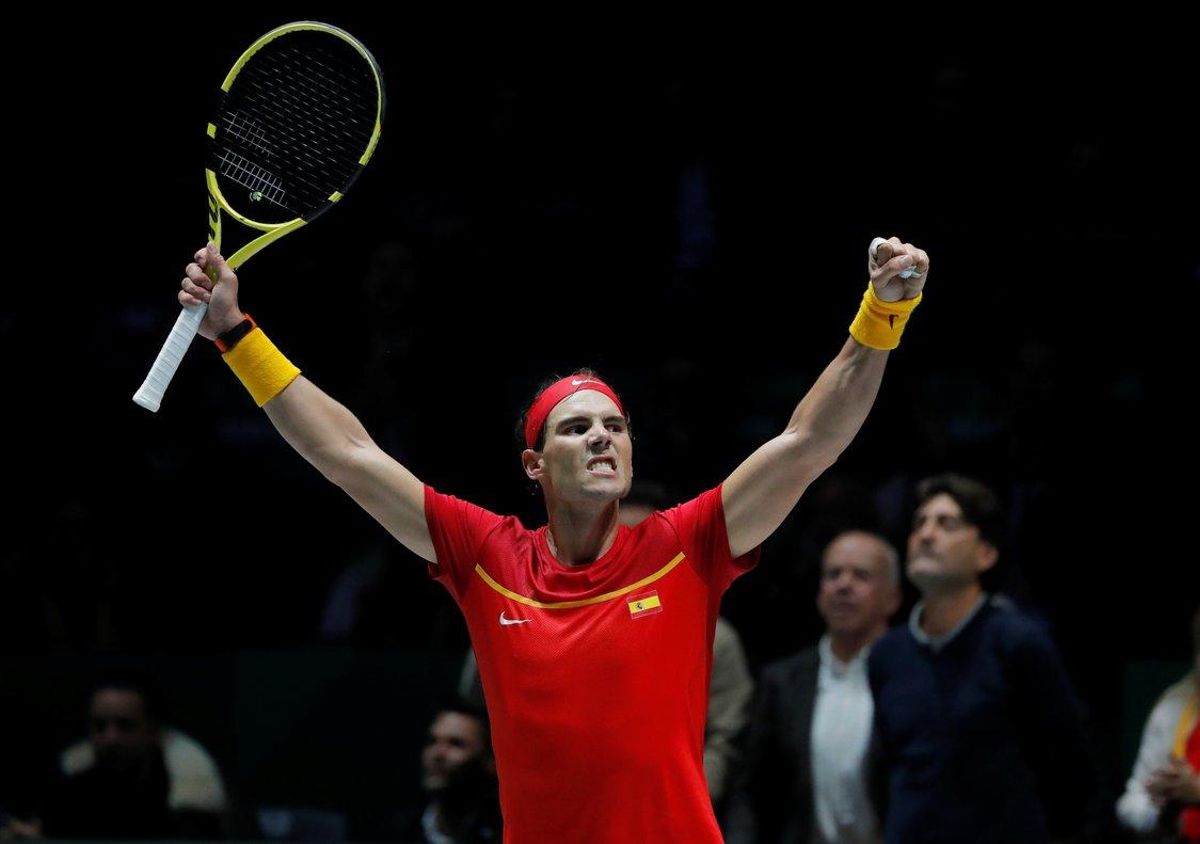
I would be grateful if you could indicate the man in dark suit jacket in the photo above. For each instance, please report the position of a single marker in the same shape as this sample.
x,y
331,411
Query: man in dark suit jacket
x,y
808,758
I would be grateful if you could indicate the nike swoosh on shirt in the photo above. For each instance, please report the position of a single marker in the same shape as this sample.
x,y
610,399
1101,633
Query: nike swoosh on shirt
x,y
504,622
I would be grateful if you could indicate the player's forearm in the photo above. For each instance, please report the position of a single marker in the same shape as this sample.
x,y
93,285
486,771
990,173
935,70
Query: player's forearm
x,y
761,492
324,432
321,429
329,437
830,415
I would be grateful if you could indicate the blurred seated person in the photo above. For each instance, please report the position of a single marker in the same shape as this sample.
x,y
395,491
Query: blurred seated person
x,y
131,777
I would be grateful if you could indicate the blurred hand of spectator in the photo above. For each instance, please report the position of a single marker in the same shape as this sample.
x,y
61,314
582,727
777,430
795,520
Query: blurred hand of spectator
x,y
1175,781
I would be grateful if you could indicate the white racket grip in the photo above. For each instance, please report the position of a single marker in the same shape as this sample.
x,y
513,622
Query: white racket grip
x,y
909,273
150,394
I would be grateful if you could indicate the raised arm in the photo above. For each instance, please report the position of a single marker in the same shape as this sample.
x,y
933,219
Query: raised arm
x,y
766,486
324,432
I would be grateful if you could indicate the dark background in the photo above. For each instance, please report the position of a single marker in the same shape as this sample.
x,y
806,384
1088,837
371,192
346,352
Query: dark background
x,y
687,214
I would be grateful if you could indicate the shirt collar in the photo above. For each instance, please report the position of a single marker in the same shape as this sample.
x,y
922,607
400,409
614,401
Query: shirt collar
x,y
936,643
831,663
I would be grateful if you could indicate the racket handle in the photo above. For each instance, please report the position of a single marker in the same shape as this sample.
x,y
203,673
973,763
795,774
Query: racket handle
x,y
909,273
150,394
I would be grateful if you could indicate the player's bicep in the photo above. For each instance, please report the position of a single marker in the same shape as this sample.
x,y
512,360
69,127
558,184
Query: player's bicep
x,y
390,493
760,493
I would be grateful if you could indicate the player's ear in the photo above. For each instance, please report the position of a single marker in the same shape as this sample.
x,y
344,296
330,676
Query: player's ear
x,y
532,463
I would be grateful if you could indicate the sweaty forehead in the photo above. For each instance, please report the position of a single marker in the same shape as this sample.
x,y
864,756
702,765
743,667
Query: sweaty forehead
x,y
584,403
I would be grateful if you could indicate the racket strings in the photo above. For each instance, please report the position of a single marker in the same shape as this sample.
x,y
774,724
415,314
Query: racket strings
x,y
297,120
247,131
262,183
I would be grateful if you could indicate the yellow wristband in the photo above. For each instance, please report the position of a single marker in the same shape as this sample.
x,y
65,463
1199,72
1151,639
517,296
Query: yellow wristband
x,y
260,366
879,324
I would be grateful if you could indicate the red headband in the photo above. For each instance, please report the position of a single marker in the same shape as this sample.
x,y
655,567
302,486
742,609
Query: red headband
x,y
556,392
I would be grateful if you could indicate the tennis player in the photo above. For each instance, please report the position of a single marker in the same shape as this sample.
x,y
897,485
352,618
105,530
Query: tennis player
x,y
594,640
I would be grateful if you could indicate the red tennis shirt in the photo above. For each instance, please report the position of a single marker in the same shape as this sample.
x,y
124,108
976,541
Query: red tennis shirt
x,y
596,676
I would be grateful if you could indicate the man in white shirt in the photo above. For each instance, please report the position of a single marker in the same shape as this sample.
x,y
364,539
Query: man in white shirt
x,y
808,753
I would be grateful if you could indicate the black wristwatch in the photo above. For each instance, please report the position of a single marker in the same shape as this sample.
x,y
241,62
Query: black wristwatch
x,y
226,341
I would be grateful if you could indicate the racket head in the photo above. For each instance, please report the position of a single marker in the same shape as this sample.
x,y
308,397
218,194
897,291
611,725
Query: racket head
x,y
299,116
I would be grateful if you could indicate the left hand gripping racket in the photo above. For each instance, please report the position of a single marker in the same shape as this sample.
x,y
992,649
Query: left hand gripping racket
x,y
299,116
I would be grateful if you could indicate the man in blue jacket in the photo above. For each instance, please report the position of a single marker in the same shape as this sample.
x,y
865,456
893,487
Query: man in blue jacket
x,y
981,732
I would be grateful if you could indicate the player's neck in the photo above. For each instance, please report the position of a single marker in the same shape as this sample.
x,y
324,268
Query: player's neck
x,y
578,536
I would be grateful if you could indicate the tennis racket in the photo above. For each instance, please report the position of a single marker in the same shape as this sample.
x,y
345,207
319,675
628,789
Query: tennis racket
x,y
298,117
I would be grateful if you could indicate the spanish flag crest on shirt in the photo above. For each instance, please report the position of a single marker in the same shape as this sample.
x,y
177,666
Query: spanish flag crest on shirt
x,y
646,603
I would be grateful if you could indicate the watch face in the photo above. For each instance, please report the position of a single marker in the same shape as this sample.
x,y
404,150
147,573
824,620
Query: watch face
x,y
230,338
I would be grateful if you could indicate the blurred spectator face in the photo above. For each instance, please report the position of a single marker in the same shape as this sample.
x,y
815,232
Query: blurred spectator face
x,y
455,745
120,730
945,552
857,593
